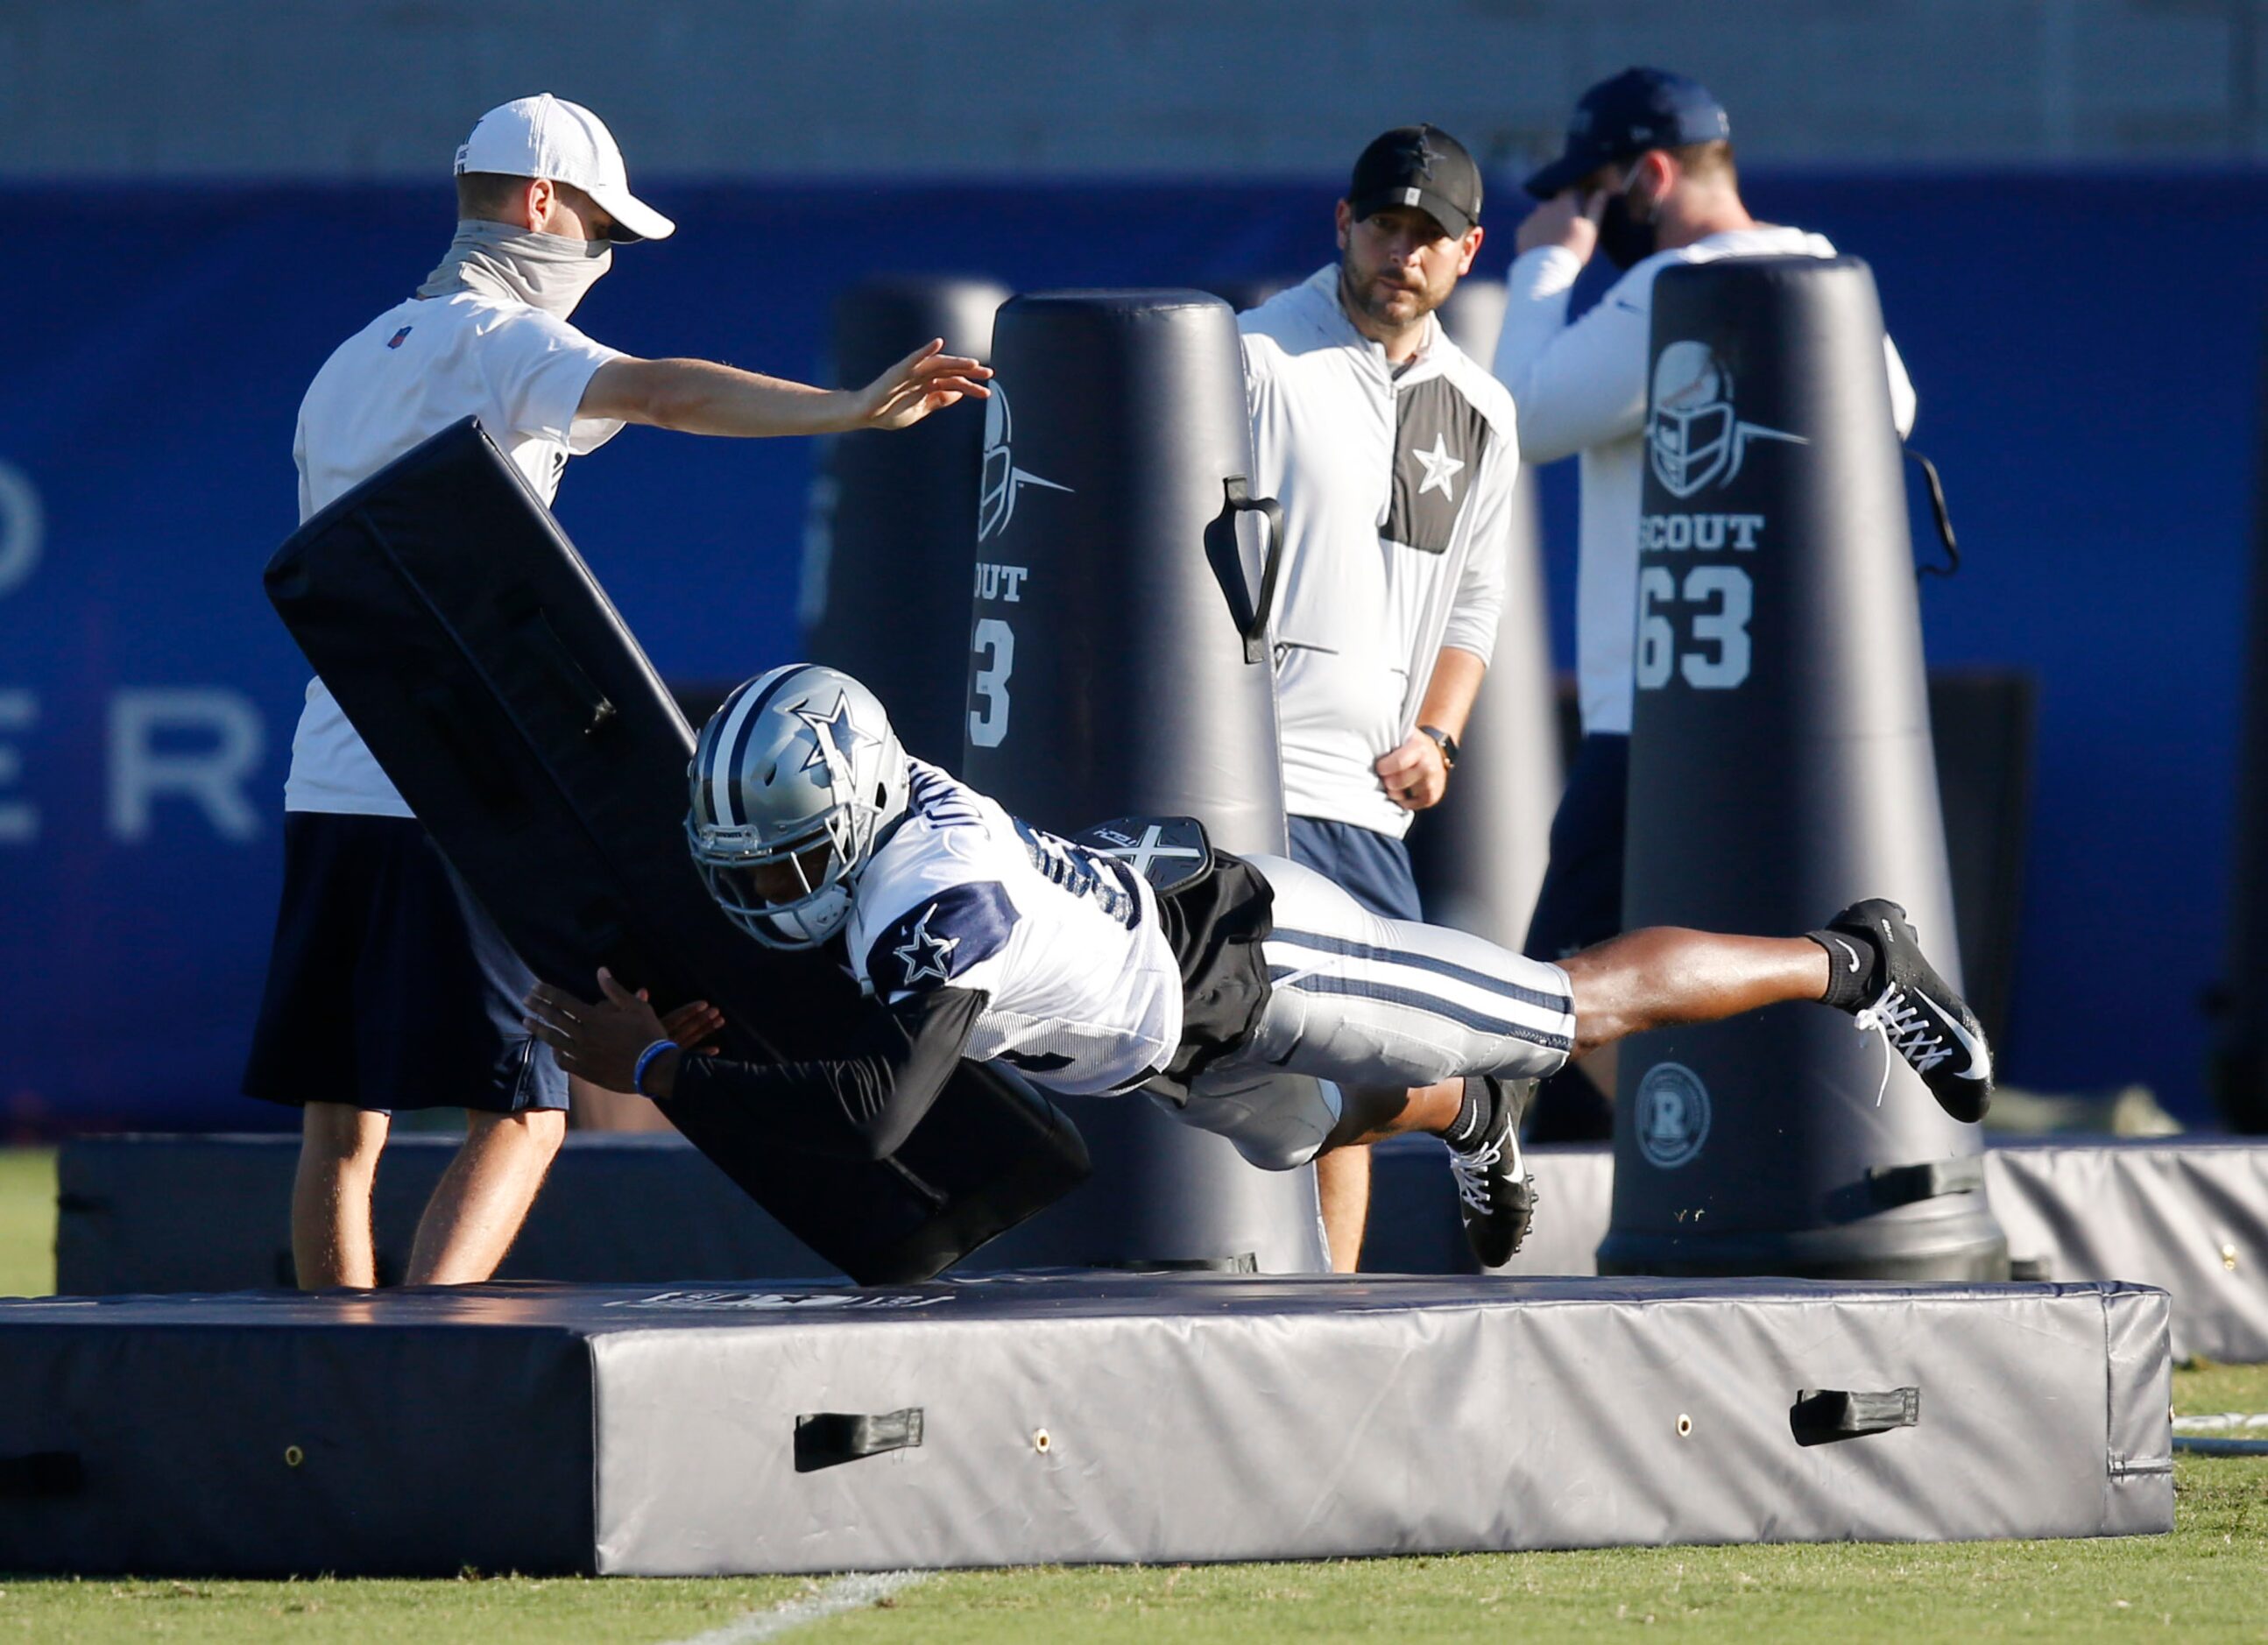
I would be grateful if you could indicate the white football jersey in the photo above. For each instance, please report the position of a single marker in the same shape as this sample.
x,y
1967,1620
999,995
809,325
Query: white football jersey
x,y
1085,994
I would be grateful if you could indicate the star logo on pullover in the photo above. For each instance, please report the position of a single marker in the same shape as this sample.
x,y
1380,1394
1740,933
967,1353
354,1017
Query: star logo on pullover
x,y
1440,467
926,956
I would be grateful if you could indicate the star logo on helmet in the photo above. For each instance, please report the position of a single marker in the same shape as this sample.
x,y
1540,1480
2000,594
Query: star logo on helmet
x,y
924,955
835,737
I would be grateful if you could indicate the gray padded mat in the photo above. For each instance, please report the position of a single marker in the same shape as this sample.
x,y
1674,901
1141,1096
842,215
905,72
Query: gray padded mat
x,y
2189,1215
654,1431
208,1213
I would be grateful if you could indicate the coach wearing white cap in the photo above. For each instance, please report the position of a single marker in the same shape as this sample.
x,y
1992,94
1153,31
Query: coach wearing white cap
x,y
388,986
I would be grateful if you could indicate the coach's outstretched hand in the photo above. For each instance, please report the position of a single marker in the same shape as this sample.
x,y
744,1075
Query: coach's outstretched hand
x,y
599,1041
926,380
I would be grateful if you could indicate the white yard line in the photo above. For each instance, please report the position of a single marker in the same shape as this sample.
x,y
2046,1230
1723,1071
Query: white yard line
x,y
844,1593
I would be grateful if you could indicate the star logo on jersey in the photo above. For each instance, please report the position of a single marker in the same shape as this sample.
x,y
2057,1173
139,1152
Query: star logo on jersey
x,y
924,955
835,738
1440,469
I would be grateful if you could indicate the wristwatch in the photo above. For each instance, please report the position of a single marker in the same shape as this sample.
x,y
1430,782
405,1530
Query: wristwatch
x,y
1448,746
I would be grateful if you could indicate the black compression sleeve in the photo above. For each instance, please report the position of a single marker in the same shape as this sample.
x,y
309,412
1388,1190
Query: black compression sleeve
x,y
862,1104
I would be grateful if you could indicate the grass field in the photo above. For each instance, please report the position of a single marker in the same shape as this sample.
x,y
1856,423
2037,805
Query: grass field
x,y
2207,1582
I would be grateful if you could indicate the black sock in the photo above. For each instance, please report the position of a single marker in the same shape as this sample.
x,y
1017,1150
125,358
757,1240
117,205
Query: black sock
x,y
1476,1114
1854,964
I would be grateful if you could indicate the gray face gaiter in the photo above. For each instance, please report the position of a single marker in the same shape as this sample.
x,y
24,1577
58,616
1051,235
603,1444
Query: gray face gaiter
x,y
547,271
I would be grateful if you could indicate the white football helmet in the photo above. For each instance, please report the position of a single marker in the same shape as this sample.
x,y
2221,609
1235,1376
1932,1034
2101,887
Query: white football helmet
x,y
795,775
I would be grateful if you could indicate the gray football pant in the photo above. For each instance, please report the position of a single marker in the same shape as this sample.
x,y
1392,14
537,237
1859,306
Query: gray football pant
x,y
1365,1002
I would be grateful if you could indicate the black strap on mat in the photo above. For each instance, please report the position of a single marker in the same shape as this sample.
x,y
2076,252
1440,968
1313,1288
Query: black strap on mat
x,y
42,1474
827,1439
1823,1415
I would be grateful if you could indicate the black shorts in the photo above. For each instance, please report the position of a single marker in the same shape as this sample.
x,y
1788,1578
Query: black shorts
x,y
387,985
1580,903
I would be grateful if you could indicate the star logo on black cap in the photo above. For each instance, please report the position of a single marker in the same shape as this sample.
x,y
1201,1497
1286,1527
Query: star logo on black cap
x,y
1423,154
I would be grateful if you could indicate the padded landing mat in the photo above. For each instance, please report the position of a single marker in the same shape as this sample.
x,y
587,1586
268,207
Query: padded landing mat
x,y
697,1430
2189,1213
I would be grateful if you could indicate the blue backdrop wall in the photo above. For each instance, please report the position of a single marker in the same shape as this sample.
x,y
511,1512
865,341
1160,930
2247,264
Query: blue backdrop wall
x,y
2085,349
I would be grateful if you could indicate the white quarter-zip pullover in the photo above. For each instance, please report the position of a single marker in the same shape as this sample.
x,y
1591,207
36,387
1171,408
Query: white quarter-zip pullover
x,y
1396,489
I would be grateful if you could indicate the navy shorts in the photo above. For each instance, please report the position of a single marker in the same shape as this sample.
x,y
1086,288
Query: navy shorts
x,y
1370,867
1580,903
387,985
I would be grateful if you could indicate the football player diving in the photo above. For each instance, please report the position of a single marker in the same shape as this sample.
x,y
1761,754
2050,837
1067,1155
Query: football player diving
x,y
978,936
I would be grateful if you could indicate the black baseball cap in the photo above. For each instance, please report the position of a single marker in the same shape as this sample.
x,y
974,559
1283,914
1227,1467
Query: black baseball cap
x,y
1422,166
1621,118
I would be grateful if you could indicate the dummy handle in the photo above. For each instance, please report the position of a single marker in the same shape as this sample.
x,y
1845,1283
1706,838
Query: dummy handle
x,y
535,628
1241,500
1904,1184
827,1439
1820,1416
1944,519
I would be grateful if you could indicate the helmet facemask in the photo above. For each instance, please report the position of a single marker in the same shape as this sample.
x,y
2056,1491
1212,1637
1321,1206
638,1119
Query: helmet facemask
x,y
790,793
820,869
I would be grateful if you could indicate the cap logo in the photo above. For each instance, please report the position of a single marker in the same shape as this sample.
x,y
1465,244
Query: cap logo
x,y
1409,196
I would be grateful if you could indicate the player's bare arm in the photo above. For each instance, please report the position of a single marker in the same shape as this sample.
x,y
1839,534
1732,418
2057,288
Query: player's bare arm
x,y
1415,772
705,397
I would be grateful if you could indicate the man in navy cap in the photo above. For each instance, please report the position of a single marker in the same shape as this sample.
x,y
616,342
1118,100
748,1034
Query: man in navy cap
x,y
1647,180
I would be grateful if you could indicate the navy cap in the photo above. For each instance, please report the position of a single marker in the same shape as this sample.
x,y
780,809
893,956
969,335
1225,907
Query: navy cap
x,y
1422,166
1620,118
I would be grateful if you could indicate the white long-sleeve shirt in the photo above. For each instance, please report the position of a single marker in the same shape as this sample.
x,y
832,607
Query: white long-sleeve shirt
x,y
1397,490
1582,388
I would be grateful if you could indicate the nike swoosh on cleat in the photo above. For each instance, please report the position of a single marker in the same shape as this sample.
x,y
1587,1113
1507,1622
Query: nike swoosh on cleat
x,y
1853,953
1980,1063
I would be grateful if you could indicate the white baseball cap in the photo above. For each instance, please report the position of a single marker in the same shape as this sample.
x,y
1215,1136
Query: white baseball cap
x,y
550,136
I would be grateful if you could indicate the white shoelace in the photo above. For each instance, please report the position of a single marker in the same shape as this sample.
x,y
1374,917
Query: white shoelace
x,y
1471,1171
1905,1031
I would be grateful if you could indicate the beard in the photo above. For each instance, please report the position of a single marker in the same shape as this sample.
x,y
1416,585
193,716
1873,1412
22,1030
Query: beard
x,y
1389,303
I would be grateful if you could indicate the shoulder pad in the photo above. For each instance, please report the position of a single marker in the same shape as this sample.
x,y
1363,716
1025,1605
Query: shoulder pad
x,y
940,937
1169,852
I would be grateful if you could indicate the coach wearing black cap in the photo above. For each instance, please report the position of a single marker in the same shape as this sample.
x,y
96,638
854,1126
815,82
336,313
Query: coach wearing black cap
x,y
1394,456
1647,179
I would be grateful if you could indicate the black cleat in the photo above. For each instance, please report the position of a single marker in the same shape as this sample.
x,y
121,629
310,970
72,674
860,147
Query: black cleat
x,y
1920,1016
1495,1196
